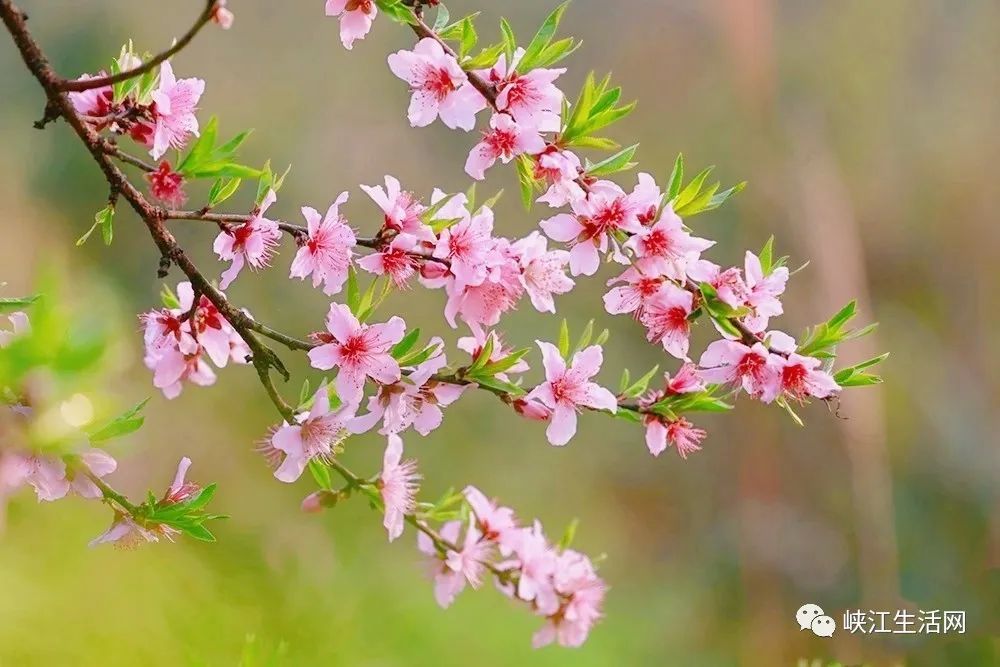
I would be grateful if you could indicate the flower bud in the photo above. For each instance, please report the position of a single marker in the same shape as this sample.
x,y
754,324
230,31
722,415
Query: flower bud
x,y
532,410
316,502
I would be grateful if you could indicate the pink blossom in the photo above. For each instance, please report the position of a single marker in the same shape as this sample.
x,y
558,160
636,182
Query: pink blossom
x,y
665,247
19,324
394,260
469,561
764,292
561,169
181,490
637,291
167,185
504,142
175,102
592,226
535,561
98,463
45,474
754,368
532,98
356,18
359,351
447,582
440,87
532,409
582,593
172,367
221,16
252,242
402,210
210,329
665,317
398,486
567,389
728,284
484,303
95,102
495,522
686,381
416,400
543,271
314,436
469,246
327,250
802,377
678,432
125,533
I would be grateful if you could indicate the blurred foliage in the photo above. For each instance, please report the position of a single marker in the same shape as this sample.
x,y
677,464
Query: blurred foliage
x,y
866,133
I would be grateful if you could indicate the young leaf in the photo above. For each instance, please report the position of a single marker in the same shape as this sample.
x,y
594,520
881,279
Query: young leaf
x,y
10,304
676,178
620,161
564,339
542,39
124,424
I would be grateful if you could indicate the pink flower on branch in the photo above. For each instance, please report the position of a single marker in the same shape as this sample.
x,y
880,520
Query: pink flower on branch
x,y
358,351
327,250
531,98
543,271
505,141
637,291
678,432
568,388
665,317
764,292
397,486
356,18
440,87
754,368
167,185
252,242
665,247
401,209
561,169
314,436
174,104
394,260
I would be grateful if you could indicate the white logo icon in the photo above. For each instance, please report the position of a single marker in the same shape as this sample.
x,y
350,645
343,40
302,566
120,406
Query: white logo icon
x,y
811,617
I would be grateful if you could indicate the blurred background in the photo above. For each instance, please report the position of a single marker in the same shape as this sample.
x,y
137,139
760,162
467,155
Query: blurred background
x,y
867,133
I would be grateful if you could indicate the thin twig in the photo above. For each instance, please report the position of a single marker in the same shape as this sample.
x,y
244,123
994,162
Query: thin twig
x,y
76,85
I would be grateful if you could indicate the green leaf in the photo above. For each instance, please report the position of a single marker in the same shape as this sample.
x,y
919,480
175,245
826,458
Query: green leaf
x,y
403,347
585,337
526,179
625,382
497,385
692,189
321,474
353,290
569,535
441,20
199,532
505,364
542,39
103,220
676,178
168,298
640,386
486,58
11,304
223,189
564,339
509,41
305,393
469,38
620,161
124,424
766,256
483,357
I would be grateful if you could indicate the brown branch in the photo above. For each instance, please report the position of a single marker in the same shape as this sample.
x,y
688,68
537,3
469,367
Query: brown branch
x,y
76,85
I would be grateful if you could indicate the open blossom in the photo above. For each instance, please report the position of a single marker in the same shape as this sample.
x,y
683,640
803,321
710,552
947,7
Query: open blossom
x,y
440,87
95,102
96,462
531,98
561,169
685,381
495,522
665,247
665,317
210,329
469,247
394,260
592,225
398,486
484,303
678,432
454,569
252,242
543,271
535,561
582,598
728,283
567,389
327,250
175,101
358,350
447,582
356,17
801,377
314,436
401,209
505,141
416,400
764,292
753,368
638,289
172,367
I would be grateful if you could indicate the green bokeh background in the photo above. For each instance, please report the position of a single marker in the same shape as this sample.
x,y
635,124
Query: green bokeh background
x,y
867,132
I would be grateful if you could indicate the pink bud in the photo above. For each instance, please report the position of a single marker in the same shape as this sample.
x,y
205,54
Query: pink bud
x,y
433,270
222,16
531,409
167,185
316,502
